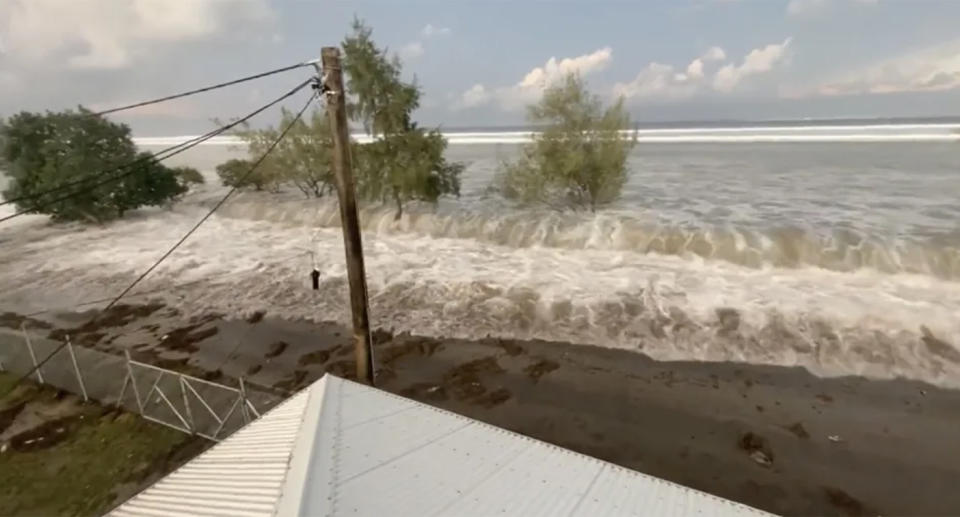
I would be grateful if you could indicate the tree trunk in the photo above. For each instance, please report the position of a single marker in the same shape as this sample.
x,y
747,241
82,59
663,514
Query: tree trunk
x,y
396,198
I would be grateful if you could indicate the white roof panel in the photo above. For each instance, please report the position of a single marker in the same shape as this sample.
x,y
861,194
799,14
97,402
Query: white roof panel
x,y
386,455
342,448
240,476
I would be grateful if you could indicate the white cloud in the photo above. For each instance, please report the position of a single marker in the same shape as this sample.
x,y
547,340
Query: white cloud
x,y
934,68
477,95
664,81
430,31
695,68
714,54
660,80
411,50
756,62
415,49
535,81
111,33
542,76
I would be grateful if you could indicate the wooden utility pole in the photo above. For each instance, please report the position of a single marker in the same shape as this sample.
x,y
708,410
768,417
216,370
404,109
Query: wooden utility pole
x,y
343,171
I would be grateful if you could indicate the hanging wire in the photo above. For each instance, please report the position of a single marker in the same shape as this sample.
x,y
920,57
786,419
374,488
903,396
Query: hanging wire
x,y
173,151
206,88
182,239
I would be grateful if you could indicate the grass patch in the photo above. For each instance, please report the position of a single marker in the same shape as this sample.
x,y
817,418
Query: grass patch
x,y
103,454
7,381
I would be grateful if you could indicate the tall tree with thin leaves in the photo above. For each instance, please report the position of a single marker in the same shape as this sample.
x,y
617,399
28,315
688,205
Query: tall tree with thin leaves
x,y
404,162
578,160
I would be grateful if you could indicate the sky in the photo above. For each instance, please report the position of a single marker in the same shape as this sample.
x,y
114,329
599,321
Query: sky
x,y
480,63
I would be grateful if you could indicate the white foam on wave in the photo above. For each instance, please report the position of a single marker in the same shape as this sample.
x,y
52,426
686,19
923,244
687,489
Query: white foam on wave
x,y
666,306
757,134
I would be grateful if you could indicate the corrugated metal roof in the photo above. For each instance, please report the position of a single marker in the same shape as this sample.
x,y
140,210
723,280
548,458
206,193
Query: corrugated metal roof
x,y
240,476
380,454
348,449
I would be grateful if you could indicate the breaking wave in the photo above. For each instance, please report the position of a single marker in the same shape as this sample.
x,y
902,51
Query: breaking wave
x,y
785,247
255,255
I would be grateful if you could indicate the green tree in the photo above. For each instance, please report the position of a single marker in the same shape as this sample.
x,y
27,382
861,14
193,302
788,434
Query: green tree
x,y
301,158
578,160
45,151
188,176
404,167
404,162
236,173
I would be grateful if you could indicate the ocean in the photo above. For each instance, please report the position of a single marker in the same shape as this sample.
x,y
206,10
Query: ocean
x,y
833,246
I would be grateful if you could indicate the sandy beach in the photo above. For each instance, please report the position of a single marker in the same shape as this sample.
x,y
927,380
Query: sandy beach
x,y
776,438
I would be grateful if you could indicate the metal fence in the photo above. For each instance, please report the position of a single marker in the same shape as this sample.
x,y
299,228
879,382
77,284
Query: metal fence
x,y
183,402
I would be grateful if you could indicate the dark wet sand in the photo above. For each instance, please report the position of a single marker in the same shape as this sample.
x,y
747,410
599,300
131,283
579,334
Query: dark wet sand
x,y
754,434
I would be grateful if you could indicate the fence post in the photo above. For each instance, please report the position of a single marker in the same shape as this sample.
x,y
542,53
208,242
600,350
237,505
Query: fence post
x,y
243,403
76,369
133,381
33,356
186,404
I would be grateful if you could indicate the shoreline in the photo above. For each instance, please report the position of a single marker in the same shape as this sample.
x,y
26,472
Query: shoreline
x,y
760,435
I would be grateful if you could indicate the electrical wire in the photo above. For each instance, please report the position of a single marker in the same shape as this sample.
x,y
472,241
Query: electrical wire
x,y
151,156
172,151
182,239
204,89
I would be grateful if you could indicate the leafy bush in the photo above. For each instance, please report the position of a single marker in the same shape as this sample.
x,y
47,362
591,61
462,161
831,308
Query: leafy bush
x,y
188,176
578,161
301,158
234,173
407,166
45,151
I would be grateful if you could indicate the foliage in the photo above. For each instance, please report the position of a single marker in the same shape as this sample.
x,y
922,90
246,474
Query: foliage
x,y
236,173
187,176
380,99
406,166
301,158
46,151
404,162
578,161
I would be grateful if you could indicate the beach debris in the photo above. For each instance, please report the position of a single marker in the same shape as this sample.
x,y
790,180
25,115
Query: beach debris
x,y
798,430
276,349
847,503
835,438
164,337
757,448
425,390
761,458
540,368
4,447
